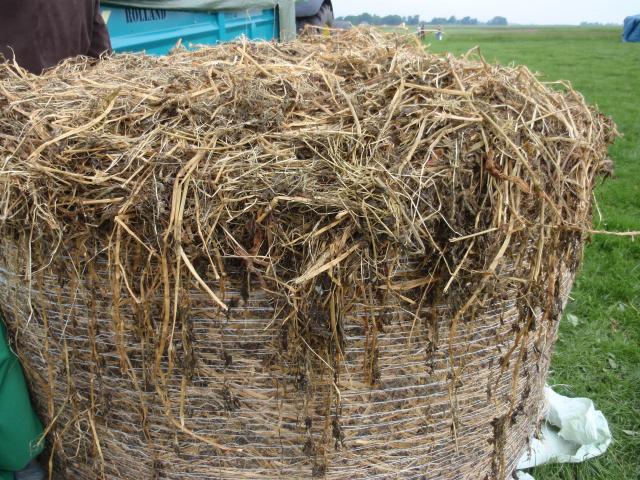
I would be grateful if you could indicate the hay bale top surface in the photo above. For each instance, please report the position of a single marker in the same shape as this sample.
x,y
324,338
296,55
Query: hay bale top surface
x,y
323,144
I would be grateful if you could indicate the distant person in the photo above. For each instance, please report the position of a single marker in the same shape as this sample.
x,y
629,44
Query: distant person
x,y
439,33
421,32
41,33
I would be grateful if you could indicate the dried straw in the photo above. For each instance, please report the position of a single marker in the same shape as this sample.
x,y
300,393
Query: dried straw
x,y
339,257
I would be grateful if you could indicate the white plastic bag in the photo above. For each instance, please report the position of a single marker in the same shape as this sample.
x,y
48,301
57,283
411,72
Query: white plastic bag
x,y
574,431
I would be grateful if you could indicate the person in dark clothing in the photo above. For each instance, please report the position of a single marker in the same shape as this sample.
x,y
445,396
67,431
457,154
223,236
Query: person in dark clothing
x,y
41,33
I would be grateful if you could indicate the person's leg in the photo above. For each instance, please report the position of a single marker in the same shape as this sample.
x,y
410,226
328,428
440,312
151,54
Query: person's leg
x,y
20,428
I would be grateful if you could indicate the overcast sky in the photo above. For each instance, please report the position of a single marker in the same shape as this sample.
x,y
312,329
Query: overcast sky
x,y
542,12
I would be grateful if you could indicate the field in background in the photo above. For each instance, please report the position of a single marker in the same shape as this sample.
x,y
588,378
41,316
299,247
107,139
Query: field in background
x,y
598,352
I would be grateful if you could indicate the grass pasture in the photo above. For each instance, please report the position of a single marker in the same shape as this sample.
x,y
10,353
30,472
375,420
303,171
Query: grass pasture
x,y
598,353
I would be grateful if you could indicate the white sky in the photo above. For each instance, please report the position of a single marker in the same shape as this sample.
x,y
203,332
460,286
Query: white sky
x,y
542,12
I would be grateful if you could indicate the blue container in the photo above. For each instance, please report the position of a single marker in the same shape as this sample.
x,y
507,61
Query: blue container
x,y
157,31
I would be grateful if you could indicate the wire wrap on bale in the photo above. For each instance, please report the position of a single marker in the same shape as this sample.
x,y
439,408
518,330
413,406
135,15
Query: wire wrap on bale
x,y
341,257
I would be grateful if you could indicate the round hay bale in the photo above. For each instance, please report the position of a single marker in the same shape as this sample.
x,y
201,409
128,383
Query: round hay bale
x,y
339,258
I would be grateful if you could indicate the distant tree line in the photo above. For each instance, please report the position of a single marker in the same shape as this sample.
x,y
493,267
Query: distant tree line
x,y
497,21
452,20
598,24
395,20
369,19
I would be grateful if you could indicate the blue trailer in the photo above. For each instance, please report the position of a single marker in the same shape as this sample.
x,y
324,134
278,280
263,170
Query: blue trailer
x,y
157,31
156,26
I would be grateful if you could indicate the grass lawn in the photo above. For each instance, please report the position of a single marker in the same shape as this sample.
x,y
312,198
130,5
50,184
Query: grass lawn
x,y
599,357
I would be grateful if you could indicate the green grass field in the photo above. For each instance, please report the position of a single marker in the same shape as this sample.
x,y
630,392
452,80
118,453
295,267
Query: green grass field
x,y
599,357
